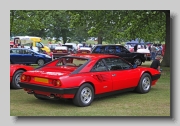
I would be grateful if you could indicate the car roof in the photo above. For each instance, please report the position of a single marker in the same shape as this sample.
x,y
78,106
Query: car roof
x,y
25,49
93,55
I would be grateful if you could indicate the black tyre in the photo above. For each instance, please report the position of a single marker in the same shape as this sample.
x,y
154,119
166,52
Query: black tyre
x,y
40,62
84,95
144,85
16,79
137,61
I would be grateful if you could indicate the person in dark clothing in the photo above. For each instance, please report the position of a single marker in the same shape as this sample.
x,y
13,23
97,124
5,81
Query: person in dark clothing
x,y
135,48
156,63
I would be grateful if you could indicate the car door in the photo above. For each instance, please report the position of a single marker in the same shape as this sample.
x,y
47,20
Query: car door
x,y
16,55
124,53
123,75
28,56
102,76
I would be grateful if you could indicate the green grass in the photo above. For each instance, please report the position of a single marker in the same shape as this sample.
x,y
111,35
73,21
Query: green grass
x,y
154,103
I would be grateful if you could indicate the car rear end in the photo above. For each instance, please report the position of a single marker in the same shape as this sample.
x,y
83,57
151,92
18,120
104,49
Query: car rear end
x,y
84,50
60,51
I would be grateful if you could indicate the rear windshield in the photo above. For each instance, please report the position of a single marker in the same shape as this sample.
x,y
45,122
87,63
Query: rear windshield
x,y
71,61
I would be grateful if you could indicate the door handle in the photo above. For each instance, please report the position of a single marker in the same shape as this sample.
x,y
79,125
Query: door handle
x,y
113,75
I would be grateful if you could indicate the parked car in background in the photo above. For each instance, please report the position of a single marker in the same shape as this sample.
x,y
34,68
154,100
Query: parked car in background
x,y
83,77
52,46
73,44
146,53
60,51
71,48
15,72
121,51
84,50
79,45
28,56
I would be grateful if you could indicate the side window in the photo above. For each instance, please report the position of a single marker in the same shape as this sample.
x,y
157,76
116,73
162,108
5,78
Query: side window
x,y
39,45
99,49
17,51
117,64
27,51
13,51
124,50
99,66
118,49
110,49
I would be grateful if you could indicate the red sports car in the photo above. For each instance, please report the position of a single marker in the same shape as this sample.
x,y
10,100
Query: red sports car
x,y
83,77
15,72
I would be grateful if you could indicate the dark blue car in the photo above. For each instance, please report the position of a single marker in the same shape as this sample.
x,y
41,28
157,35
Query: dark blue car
x,y
28,56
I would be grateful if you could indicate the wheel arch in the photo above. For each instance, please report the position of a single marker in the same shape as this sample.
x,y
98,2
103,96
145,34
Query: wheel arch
x,y
144,73
89,82
17,70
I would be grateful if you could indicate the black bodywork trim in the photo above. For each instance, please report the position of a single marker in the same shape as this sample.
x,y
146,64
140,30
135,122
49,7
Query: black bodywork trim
x,y
49,89
115,92
155,77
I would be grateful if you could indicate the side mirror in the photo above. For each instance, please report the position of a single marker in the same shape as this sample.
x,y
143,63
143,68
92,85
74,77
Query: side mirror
x,y
134,66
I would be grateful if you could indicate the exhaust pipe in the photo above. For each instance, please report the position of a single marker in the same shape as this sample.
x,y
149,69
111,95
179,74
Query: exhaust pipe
x,y
30,92
52,96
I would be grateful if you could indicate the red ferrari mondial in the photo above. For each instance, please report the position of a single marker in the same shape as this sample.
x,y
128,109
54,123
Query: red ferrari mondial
x,y
83,77
15,72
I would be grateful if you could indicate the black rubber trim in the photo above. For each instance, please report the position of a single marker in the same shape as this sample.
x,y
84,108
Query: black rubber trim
x,y
155,77
49,89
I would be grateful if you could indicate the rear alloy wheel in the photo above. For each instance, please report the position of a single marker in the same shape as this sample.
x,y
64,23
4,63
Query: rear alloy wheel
x,y
16,79
137,61
84,95
144,85
40,62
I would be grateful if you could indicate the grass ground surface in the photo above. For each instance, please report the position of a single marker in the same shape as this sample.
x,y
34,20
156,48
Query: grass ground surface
x,y
155,103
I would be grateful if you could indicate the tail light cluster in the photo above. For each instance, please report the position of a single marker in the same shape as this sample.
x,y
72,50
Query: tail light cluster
x,y
56,82
25,78
148,54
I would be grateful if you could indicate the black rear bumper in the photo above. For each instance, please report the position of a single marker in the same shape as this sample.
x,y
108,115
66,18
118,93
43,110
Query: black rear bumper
x,y
49,89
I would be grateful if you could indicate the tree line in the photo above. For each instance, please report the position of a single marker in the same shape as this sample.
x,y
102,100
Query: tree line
x,y
112,26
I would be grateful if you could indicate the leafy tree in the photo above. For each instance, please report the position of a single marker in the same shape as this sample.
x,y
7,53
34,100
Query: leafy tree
x,y
27,22
149,25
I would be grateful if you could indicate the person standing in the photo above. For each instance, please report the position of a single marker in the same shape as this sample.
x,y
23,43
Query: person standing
x,y
156,63
153,52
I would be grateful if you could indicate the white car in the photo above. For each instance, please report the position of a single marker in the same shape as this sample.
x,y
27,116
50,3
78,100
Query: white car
x,y
84,50
73,44
60,51
146,53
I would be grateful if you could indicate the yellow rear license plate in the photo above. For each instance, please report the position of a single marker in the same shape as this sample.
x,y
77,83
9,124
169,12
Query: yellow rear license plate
x,y
59,51
83,52
38,79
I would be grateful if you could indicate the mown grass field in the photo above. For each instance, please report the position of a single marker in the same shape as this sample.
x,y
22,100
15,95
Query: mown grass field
x,y
155,103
